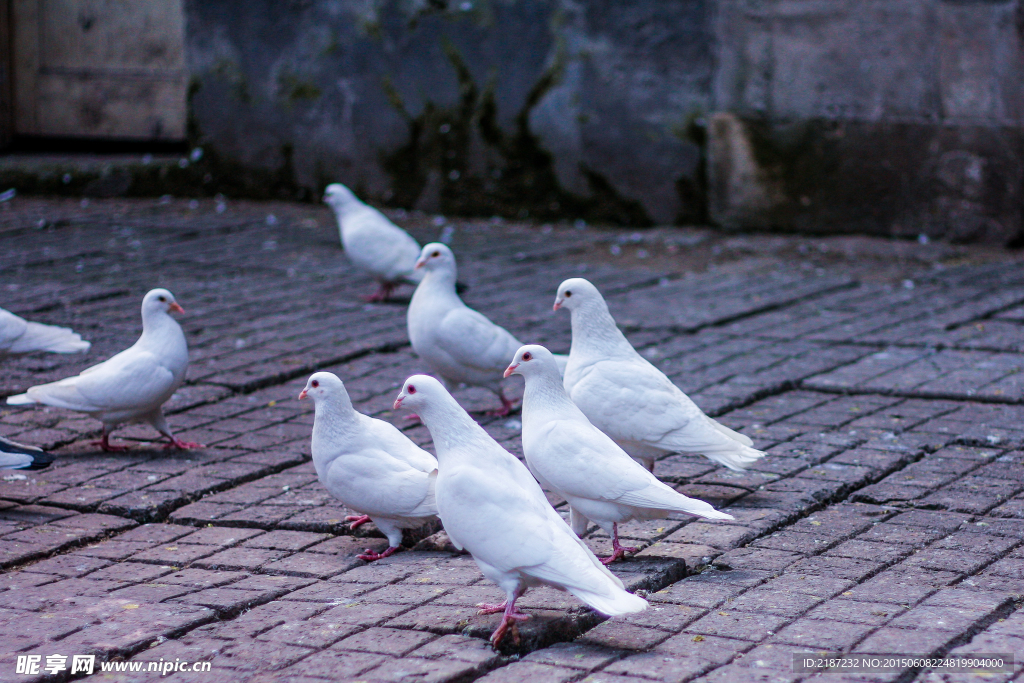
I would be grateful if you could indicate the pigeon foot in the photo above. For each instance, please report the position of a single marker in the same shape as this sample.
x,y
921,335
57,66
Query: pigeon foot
x,y
382,294
617,554
175,442
507,622
618,551
505,409
108,447
357,520
491,608
370,555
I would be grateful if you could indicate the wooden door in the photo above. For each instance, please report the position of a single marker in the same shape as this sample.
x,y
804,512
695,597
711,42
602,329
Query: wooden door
x,y
99,69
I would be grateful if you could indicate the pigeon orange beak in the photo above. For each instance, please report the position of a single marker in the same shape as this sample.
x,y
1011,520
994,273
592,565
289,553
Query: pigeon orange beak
x,y
302,394
419,264
510,369
175,308
398,402
558,304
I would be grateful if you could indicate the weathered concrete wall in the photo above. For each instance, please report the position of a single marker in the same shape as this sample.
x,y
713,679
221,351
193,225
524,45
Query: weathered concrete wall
x,y
885,116
544,108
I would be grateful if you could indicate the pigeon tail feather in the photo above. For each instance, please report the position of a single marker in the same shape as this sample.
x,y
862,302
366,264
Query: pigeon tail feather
x,y
737,459
613,604
17,456
20,400
732,434
39,337
658,496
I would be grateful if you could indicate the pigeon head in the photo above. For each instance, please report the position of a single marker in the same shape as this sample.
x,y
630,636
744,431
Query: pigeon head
x,y
339,197
418,392
322,385
436,256
532,359
160,301
576,292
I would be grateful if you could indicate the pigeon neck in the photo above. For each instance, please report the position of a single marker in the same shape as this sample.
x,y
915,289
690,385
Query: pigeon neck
x,y
545,392
349,208
594,332
158,328
441,281
333,413
452,429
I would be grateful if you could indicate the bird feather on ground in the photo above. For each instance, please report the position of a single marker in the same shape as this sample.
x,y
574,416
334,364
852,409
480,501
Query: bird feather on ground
x,y
369,465
492,506
629,399
131,386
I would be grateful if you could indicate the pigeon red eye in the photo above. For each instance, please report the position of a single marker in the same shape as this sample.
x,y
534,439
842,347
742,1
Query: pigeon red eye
x,y
527,356
315,384
412,389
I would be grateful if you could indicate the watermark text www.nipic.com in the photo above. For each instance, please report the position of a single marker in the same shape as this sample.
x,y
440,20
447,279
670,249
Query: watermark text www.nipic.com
x,y
33,665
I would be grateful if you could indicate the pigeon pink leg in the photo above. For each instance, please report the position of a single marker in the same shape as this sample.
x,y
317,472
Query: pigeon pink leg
x,y
370,555
506,407
618,551
105,444
175,442
357,520
382,294
511,616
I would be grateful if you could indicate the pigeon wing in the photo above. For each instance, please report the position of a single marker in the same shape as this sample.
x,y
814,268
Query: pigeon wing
x,y
11,329
399,446
40,337
371,480
474,341
379,246
133,379
584,462
635,400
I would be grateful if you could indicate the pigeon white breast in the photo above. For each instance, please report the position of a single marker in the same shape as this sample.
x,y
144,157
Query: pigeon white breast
x,y
491,506
459,344
131,386
18,456
369,465
574,459
629,399
18,335
373,243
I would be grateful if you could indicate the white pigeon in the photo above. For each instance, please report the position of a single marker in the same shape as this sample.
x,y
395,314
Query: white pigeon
x,y
18,335
629,399
573,458
459,344
131,386
491,506
18,456
373,243
369,465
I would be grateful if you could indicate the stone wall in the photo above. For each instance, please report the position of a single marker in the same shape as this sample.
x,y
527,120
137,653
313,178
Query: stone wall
x,y
900,117
884,116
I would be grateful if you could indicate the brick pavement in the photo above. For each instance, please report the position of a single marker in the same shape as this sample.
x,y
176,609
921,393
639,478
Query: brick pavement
x,y
885,385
